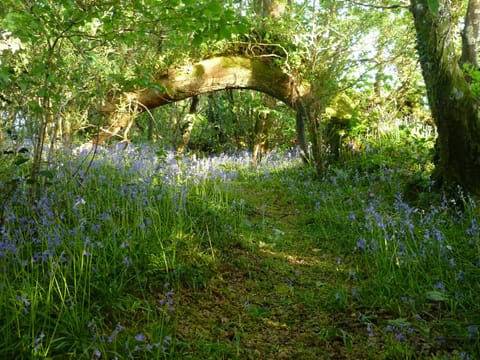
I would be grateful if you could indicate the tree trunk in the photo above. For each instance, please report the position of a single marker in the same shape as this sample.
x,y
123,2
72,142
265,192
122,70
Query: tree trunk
x,y
470,34
260,134
218,73
188,126
270,8
453,106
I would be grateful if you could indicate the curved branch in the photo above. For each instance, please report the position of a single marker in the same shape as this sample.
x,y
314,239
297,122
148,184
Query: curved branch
x,y
214,74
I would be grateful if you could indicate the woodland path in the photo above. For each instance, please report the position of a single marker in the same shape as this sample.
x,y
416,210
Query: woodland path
x,y
274,298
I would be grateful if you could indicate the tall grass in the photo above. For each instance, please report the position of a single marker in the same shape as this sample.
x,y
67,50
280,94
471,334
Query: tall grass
x,y
414,258
92,269
87,269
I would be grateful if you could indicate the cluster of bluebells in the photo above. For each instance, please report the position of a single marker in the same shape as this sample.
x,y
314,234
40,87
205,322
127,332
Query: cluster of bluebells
x,y
81,213
138,343
142,344
429,244
400,332
35,233
168,299
38,341
407,234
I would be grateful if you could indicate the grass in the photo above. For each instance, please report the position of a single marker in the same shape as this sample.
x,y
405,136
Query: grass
x,y
137,255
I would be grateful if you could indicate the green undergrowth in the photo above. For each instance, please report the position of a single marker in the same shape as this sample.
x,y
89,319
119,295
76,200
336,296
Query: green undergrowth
x,y
139,255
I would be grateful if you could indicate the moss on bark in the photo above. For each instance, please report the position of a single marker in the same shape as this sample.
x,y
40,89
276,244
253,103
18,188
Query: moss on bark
x,y
209,75
453,106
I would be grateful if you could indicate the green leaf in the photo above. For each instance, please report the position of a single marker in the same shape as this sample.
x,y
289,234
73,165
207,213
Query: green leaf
x,y
433,5
435,296
41,92
4,75
214,8
224,32
21,160
47,174
197,40
400,322
23,84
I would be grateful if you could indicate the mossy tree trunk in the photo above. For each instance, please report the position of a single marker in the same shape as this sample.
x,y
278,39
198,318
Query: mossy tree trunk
x,y
454,107
214,74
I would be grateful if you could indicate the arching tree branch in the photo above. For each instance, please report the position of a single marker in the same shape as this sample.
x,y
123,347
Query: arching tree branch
x,y
214,74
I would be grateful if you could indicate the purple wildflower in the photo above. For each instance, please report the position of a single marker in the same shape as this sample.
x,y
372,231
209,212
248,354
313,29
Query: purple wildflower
x,y
361,244
168,300
26,303
38,341
140,337
115,332
355,294
473,331
440,340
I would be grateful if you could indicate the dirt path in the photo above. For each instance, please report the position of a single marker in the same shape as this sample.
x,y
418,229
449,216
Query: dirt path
x,y
273,299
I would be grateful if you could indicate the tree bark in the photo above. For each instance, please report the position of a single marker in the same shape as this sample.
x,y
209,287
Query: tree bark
x,y
270,8
470,34
189,121
214,74
454,108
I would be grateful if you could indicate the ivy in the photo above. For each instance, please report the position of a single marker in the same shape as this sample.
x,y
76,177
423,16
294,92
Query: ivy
x,y
474,74
434,5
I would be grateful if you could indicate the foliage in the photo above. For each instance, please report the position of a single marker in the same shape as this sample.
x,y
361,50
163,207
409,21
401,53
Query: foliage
x,y
91,239
474,75
12,174
65,62
137,254
132,254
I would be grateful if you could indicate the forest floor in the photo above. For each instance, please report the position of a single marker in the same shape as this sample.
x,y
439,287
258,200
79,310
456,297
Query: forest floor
x,y
219,259
272,299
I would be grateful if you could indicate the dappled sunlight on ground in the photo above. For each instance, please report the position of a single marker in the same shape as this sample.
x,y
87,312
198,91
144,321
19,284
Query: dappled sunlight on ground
x,y
270,297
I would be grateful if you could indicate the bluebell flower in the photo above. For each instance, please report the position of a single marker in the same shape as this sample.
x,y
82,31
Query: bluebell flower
x,y
459,275
473,331
361,244
38,341
140,337
355,294
440,340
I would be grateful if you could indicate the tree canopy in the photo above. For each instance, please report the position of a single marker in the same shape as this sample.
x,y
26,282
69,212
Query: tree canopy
x,y
62,62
